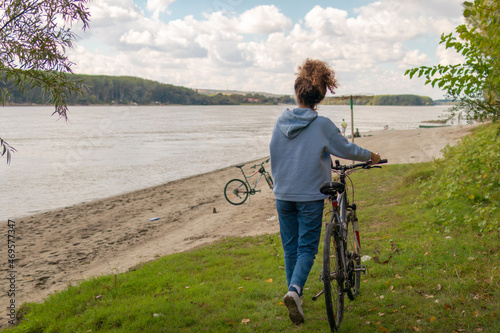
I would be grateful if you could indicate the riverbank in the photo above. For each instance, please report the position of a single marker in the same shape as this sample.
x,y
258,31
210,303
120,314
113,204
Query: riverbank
x,y
61,247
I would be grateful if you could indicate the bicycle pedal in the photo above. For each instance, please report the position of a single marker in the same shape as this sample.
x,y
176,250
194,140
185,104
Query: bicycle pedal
x,y
360,268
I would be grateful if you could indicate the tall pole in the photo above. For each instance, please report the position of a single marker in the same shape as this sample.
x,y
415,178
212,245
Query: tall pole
x,y
352,120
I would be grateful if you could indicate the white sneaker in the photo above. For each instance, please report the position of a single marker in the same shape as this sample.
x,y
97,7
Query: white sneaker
x,y
294,305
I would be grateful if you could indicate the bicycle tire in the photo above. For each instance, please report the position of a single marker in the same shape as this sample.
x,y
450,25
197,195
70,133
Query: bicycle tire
x,y
334,294
236,191
269,181
353,255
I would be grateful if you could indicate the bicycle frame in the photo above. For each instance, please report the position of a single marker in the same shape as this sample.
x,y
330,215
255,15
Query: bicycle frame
x,y
261,170
344,209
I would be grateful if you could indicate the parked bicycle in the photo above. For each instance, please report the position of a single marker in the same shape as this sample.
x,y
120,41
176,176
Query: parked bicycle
x,y
341,272
237,190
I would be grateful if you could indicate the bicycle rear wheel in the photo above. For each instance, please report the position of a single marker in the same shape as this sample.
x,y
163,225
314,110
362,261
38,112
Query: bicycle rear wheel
x,y
353,255
334,296
236,191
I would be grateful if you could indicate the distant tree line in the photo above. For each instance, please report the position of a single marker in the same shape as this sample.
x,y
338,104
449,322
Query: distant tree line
x,y
101,89
403,100
126,90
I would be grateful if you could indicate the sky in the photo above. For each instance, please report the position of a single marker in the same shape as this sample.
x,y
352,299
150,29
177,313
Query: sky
x,y
257,45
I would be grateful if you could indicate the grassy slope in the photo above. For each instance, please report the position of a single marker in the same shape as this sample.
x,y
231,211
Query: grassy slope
x,y
429,278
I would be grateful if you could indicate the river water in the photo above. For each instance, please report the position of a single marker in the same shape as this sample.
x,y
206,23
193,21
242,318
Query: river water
x,y
109,150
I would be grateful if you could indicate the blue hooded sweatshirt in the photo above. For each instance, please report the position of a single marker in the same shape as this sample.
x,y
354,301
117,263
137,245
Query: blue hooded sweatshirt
x,y
300,149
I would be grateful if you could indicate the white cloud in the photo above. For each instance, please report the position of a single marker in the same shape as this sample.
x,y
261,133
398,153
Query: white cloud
x,y
326,21
264,20
113,12
158,6
448,56
135,37
259,49
413,59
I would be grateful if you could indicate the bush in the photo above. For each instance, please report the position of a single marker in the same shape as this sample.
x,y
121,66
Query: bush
x,y
464,187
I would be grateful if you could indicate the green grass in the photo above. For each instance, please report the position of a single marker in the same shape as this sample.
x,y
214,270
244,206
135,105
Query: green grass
x,y
431,277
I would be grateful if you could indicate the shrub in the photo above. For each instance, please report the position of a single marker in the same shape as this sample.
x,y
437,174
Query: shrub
x,y
465,185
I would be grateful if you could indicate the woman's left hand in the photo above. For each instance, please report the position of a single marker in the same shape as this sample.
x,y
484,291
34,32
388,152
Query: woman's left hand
x,y
375,158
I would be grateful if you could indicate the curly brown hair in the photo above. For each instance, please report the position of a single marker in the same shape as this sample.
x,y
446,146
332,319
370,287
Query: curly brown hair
x,y
313,78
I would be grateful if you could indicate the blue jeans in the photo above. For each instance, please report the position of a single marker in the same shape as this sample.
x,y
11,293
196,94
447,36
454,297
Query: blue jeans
x,y
300,229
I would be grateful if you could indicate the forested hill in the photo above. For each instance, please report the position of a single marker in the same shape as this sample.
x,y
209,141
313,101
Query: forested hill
x,y
381,100
102,89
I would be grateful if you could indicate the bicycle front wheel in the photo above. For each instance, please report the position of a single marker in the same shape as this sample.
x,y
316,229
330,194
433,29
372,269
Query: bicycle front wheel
x,y
353,254
236,192
332,279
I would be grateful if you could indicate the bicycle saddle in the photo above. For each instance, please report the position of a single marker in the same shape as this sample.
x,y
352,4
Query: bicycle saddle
x,y
332,188
240,166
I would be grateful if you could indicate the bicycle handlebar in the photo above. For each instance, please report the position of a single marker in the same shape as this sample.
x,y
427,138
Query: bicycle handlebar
x,y
364,165
261,164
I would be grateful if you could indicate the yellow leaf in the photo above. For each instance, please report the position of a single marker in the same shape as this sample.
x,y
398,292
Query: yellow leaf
x,y
471,197
432,319
270,280
280,303
476,314
383,329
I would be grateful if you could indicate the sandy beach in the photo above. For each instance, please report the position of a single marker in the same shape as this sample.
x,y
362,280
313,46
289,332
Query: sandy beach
x,y
64,246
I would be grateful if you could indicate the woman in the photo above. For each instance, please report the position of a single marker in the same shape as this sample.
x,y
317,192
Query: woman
x,y
301,145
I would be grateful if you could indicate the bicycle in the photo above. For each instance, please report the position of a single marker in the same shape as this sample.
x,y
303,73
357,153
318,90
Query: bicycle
x,y
237,191
341,271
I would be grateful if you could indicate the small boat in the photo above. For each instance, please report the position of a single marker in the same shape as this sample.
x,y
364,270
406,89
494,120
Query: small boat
x,y
432,126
